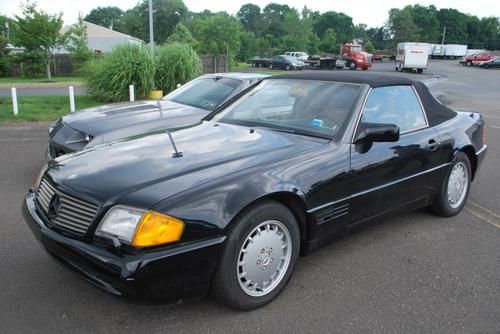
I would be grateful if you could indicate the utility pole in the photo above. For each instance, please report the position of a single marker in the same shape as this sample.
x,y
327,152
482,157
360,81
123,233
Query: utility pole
x,y
151,36
444,33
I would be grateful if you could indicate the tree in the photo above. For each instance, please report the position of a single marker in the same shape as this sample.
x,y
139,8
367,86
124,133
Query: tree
x,y
455,23
250,18
181,34
77,42
110,16
133,24
4,56
339,22
380,37
218,32
249,46
273,17
39,33
402,26
425,18
369,47
490,32
167,13
329,42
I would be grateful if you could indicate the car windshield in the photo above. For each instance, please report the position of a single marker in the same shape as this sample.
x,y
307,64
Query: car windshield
x,y
205,93
304,107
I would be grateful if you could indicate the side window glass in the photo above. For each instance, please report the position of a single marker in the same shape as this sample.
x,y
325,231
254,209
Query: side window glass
x,y
394,105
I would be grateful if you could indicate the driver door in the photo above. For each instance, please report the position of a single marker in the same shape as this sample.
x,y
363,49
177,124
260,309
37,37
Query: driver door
x,y
389,175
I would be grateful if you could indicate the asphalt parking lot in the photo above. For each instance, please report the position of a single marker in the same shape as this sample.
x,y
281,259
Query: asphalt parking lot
x,y
412,274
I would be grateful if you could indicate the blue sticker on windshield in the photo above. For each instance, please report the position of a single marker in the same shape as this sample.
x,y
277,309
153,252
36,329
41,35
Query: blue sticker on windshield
x,y
316,122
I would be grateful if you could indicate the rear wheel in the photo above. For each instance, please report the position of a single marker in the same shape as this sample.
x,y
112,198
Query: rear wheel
x,y
420,71
455,188
261,250
468,63
352,66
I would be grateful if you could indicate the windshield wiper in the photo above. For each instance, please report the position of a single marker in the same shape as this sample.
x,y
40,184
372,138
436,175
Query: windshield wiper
x,y
295,132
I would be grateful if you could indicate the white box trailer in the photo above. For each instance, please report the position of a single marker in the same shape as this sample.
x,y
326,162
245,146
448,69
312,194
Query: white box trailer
x,y
455,51
438,51
412,57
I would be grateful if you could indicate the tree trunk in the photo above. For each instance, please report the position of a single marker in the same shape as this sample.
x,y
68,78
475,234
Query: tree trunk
x,y
49,77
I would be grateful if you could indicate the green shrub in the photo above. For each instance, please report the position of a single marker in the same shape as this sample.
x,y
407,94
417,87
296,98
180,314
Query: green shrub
x,y
108,78
176,63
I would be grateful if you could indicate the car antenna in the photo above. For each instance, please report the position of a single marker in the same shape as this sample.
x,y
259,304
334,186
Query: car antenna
x,y
160,107
177,154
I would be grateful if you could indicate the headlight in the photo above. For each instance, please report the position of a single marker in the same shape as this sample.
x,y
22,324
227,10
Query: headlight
x,y
140,228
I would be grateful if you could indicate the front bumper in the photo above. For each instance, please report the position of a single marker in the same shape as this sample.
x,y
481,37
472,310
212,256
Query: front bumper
x,y
166,276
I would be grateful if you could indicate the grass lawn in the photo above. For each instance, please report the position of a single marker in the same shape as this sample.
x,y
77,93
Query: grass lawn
x,y
18,80
240,66
41,108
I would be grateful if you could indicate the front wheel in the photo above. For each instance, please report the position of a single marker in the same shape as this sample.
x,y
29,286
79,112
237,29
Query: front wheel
x,y
468,63
287,67
352,66
455,188
270,66
260,253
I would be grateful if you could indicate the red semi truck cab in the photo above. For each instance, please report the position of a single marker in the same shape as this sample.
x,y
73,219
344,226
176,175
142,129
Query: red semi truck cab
x,y
355,57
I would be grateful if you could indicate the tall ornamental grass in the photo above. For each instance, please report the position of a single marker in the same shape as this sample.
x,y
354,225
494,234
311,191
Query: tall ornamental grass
x,y
176,63
108,78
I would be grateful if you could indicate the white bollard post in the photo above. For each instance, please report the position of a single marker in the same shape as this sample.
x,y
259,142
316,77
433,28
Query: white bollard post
x,y
131,93
71,99
14,101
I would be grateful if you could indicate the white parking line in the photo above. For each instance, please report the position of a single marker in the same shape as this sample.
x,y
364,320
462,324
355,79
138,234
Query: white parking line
x,y
484,214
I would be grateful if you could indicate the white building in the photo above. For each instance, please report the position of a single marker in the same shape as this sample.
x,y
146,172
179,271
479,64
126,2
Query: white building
x,y
101,39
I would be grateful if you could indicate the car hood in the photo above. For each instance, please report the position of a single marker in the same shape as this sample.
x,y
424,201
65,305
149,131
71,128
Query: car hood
x,y
107,118
143,171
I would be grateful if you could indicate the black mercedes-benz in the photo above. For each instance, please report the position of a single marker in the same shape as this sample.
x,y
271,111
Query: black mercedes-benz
x,y
228,205
185,106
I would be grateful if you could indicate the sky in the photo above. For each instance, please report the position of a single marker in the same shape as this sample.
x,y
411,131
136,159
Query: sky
x,y
373,13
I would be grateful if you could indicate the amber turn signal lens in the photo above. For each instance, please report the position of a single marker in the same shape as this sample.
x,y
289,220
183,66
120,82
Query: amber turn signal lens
x,y
157,229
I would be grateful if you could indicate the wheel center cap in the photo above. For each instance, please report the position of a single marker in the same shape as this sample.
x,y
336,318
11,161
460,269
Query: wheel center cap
x,y
266,260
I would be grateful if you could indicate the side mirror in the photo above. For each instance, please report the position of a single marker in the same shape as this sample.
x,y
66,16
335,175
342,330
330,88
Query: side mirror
x,y
375,132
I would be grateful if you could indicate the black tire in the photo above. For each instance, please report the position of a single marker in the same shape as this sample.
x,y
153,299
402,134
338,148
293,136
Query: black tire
x,y
270,66
420,71
352,66
287,67
442,206
225,284
397,69
468,63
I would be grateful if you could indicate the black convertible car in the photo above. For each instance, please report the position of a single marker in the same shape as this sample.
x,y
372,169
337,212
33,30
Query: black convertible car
x,y
185,106
229,204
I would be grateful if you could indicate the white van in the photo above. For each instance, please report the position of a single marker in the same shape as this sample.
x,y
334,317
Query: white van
x,y
412,57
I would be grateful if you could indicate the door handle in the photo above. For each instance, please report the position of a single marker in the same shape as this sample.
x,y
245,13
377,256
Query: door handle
x,y
432,145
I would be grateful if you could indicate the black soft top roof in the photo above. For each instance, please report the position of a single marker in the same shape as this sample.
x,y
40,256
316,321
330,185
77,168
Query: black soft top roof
x,y
371,79
436,112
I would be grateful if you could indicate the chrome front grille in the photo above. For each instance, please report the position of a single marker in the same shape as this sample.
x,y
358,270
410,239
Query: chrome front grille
x,y
65,211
